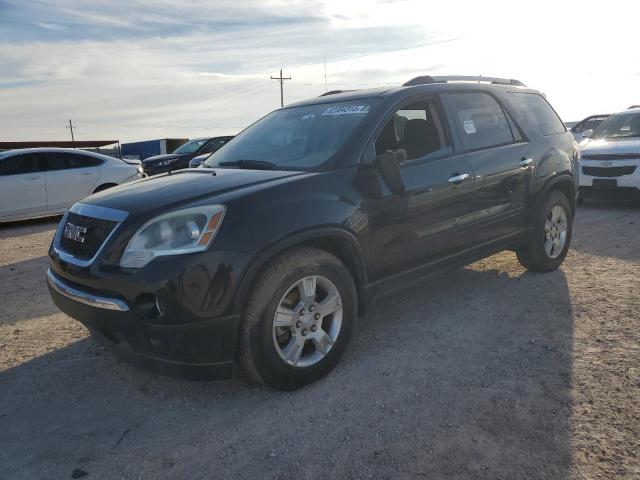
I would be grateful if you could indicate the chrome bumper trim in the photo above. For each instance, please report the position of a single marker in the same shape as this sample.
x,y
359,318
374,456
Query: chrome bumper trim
x,y
84,297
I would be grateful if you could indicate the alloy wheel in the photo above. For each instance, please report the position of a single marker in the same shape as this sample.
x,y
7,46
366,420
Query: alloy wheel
x,y
307,321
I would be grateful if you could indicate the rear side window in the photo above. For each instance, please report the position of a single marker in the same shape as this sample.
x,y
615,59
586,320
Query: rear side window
x,y
539,112
481,121
20,164
65,161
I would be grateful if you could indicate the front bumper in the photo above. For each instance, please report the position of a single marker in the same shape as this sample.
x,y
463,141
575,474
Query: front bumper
x,y
625,181
198,351
177,314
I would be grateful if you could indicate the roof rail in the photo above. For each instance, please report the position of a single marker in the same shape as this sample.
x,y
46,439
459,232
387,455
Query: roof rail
x,y
426,79
333,92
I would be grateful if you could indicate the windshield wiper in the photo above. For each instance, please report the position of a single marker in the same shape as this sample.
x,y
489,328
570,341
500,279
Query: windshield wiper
x,y
250,164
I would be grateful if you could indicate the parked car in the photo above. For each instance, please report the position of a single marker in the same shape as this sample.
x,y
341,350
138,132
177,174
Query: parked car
x,y
611,158
584,128
197,161
269,252
182,155
40,182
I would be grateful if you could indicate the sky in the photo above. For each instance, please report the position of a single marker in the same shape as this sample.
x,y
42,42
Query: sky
x,y
144,69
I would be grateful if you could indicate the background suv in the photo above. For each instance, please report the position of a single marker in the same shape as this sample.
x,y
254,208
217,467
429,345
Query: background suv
x,y
611,158
182,155
269,251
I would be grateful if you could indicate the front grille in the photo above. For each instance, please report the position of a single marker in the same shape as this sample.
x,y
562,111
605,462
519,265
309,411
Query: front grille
x,y
611,156
85,245
609,171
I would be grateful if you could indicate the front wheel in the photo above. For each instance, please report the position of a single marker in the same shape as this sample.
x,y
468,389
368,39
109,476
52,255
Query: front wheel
x,y
550,237
299,318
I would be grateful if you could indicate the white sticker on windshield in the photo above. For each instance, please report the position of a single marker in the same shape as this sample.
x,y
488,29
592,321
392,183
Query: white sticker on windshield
x,y
347,110
469,127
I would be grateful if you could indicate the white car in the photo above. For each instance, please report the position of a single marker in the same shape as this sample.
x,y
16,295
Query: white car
x,y
611,157
39,182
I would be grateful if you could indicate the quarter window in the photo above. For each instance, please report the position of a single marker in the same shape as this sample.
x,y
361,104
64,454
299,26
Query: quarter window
x,y
20,164
538,111
415,131
481,121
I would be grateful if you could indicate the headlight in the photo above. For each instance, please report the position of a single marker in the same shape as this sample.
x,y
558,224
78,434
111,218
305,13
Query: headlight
x,y
183,231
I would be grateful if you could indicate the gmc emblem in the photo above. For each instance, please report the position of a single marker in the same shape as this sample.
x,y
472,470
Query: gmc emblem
x,y
74,232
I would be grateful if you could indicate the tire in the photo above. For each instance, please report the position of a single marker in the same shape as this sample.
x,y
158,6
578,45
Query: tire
x,y
535,255
268,353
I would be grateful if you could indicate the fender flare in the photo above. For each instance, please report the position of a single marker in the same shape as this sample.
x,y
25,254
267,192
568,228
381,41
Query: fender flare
x,y
565,179
263,257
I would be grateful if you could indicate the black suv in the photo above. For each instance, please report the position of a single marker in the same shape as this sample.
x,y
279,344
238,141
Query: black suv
x,y
268,253
182,155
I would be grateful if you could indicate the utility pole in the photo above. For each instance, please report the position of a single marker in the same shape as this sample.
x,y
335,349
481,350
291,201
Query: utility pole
x,y
325,75
281,79
70,127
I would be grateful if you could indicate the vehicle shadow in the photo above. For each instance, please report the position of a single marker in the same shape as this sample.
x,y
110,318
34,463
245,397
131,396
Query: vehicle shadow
x,y
466,375
612,220
26,227
22,298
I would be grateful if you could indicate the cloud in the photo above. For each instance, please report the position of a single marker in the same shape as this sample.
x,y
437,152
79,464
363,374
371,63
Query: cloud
x,y
150,69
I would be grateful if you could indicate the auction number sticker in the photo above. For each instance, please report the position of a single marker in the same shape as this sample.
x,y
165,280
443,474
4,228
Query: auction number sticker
x,y
469,127
347,110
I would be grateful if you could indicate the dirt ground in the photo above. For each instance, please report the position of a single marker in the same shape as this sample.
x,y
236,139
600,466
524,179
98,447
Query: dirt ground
x,y
488,372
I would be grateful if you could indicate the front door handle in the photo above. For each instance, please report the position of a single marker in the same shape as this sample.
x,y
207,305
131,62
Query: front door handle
x,y
457,178
525,162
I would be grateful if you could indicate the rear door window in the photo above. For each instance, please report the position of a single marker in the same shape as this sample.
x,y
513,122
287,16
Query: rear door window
x,y
481,121
538,111
69,160
21,164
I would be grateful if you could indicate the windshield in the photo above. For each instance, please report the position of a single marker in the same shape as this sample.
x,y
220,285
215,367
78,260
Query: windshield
x,y
298,138
190,147
623,125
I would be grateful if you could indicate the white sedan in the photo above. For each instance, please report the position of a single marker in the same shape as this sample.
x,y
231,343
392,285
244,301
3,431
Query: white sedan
x,y
38,182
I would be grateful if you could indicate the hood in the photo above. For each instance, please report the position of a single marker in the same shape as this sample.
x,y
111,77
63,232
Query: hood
x,y
621,147
164,156
181,187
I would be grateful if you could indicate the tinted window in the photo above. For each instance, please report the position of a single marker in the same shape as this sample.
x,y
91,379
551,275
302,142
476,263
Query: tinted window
x,y
190,147
213,145
591,123
301,138
23,163
417,130
539,112
64,160
481,121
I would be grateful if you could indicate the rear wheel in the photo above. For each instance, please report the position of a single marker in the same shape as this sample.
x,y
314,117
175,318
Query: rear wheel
x,y
299,319
550,238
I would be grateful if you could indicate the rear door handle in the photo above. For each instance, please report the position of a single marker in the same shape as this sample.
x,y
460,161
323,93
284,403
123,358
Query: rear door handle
x,y
33,178
525,162
457,178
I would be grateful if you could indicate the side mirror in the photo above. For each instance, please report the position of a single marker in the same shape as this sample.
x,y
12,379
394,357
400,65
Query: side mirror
x,y
587,133
389,167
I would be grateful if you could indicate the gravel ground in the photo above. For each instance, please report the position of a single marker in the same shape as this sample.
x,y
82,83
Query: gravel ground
x,y
489,372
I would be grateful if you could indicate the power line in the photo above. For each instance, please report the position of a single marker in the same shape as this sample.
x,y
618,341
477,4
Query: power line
x,y
281,79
